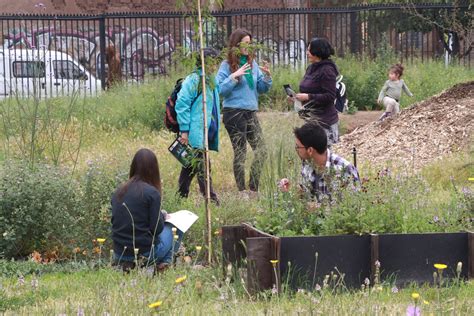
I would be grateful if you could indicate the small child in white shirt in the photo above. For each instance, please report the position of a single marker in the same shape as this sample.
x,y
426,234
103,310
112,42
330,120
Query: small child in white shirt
x,y
392,91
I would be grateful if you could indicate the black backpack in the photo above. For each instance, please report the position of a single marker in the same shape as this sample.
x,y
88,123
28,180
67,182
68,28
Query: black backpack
x,y
341,99
171,118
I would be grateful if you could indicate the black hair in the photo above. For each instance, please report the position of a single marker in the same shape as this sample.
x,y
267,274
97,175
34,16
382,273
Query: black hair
x,y
321,48
208,52
312,134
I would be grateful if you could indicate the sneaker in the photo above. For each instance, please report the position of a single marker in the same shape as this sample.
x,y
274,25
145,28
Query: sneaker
x,y
384,116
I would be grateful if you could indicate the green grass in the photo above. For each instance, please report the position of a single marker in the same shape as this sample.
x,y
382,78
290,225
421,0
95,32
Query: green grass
x,y
208,292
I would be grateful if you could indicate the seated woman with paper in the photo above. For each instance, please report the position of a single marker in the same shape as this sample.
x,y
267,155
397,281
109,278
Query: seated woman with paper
x,y
139,229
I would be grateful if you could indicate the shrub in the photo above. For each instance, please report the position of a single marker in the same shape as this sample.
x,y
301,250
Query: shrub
x,y
385,204
36,207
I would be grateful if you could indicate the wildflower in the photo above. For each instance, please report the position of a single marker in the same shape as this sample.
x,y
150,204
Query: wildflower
x,y
415,295
155,305
21,280
180,280
367,281
413,311
216,233
284,185
317,287
34,283
84,252
394,289
435,219
274,290
440,266
76,250
96,250
426,302
198,248
300,291
379,288
377,264
274,262
80,312
459,267
101,240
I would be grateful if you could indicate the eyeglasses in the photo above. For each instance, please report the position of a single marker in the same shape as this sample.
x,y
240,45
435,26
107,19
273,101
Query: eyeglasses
x,y
299,147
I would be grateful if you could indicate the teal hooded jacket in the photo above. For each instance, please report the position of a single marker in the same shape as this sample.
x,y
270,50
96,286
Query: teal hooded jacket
x,y
190,116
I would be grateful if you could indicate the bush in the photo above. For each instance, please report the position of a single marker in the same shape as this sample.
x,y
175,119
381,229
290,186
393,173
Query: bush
x,y
36,207
385,204
45,209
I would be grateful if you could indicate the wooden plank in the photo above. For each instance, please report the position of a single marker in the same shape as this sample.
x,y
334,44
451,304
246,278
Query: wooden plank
x,y
233,244
259,269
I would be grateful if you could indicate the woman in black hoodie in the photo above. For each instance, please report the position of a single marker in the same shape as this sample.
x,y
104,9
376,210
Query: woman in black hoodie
x,y
318,88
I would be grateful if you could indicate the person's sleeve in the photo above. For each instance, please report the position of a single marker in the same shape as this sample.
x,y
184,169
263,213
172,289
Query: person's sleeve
x,y
328,87
382,92
407,91
264,83
225,82
186,96
157,220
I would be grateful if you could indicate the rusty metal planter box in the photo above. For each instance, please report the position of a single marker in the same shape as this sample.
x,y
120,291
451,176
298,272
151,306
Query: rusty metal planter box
x,y
404,258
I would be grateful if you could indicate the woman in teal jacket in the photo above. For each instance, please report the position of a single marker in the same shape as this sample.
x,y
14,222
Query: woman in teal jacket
x,y
241,81
189,110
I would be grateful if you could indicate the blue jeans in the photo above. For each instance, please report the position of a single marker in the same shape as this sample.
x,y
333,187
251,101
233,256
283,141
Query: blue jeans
x,y
162,252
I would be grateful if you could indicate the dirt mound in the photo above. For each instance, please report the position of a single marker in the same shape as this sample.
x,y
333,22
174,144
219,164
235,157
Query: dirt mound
x,y
420,134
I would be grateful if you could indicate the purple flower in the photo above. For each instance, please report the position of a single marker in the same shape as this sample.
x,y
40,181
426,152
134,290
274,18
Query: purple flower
x,y
395,290
435,219
413,311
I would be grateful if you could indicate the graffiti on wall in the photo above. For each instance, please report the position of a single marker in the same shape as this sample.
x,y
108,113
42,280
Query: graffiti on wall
x,y
141,50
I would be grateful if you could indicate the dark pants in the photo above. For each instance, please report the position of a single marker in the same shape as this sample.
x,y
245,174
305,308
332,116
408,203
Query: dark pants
x,y
243,127
187,175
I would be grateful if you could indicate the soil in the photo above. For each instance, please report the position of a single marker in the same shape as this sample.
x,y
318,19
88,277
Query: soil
x,y
418,135
349,122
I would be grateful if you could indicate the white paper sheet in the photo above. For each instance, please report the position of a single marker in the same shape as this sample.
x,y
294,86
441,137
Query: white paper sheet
x,y
182,219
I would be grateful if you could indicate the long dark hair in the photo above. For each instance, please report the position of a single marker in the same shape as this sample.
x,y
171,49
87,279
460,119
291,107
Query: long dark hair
x,y
144,168
234,43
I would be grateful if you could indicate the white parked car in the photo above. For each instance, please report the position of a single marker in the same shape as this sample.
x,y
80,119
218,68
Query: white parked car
x,y
45,73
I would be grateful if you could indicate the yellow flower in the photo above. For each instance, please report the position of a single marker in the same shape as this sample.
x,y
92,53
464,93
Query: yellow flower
x,y
198,248
274,262
440,266
155,305
415,295
100,240
216,233
426,302
175,237
180,280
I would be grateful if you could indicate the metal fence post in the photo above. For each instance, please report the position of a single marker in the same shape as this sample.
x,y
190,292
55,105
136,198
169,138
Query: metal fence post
x,y
229,25
102,49
355,35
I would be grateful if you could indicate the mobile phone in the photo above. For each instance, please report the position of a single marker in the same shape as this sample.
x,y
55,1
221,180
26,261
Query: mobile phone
x,y
290,92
